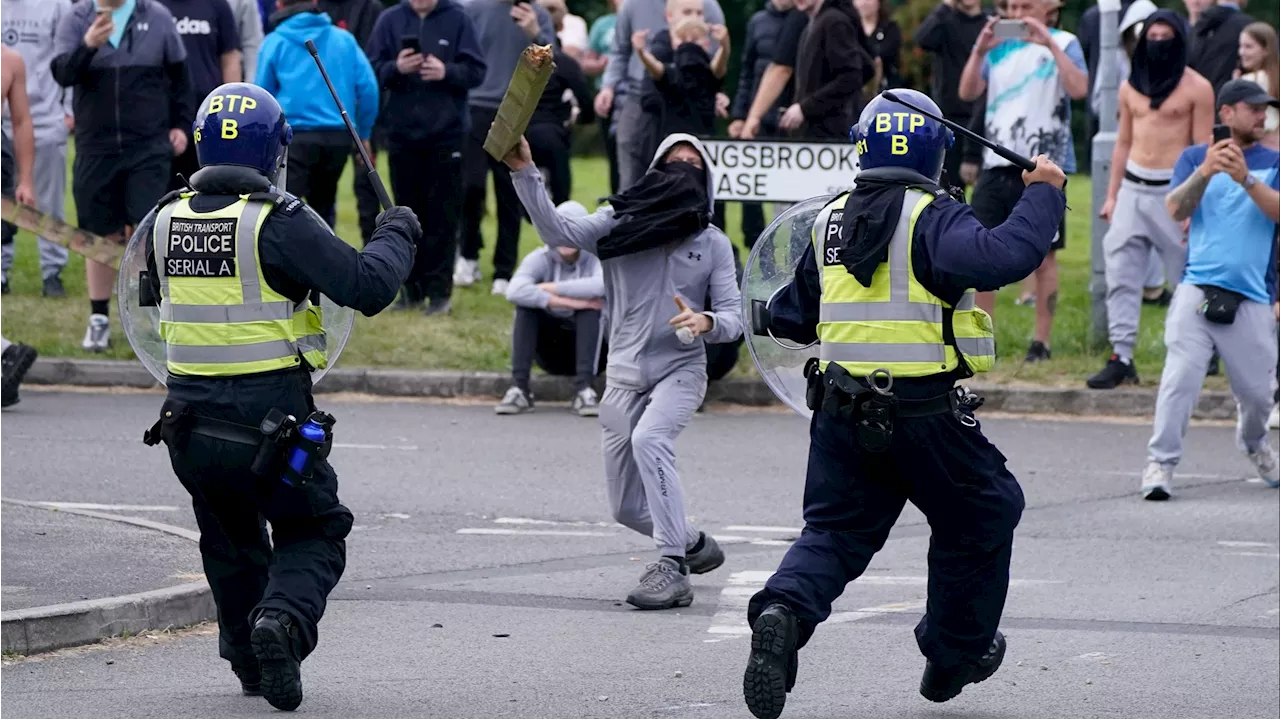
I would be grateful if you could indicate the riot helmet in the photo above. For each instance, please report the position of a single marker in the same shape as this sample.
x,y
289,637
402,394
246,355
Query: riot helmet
x,y
891,135
242,124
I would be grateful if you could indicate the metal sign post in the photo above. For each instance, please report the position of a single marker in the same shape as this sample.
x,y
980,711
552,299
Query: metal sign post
x,y
1103,143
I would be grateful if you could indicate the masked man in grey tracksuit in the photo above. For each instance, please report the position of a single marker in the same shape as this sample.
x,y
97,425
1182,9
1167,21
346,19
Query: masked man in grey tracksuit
x,y
662,259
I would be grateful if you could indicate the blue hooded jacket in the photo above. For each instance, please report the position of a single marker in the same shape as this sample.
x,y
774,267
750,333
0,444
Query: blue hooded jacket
x,y
286,70
418,111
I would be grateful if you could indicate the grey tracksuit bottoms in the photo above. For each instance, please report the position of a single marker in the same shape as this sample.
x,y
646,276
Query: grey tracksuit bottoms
x,y
50,179
640,430
1247,347
1140,223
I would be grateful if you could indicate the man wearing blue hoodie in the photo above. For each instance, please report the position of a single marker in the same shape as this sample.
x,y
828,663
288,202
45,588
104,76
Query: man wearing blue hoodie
x,y
320,144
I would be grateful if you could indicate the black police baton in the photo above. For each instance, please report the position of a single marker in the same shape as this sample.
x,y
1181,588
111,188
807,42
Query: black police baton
x,y
383,198
1000,150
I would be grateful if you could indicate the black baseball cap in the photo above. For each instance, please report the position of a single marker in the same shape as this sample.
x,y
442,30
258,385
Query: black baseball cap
x,y
1245,91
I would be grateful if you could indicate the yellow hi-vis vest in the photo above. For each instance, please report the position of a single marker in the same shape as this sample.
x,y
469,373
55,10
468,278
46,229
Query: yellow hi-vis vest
x,y
896,323
218,316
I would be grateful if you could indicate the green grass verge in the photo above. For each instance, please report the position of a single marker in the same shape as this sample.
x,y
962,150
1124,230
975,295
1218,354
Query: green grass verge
x,y
476,336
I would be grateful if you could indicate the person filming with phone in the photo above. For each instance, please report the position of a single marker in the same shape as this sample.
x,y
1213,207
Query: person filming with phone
x,y
1230,191
1030,73
427,56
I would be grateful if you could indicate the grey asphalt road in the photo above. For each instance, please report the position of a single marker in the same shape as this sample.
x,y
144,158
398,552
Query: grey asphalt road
x,y
491,526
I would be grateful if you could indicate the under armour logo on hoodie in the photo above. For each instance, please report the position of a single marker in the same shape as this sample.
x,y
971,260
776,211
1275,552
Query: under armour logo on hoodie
x,y
697,257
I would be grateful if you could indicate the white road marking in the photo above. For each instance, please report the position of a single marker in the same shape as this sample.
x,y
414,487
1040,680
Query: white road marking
x,y
1248,544
844,617
1268,555
552,522
403,447
534,532
763,529
109,507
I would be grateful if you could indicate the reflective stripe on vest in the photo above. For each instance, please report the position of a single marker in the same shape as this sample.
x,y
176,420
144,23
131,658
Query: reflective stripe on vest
x,y
896,323
218,325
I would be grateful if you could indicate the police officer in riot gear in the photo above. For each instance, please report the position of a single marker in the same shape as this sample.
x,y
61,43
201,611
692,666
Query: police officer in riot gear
x,y
887,289
235,265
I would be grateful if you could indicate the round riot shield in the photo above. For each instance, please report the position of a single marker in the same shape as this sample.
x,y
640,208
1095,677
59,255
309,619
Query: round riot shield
x,y
140,313
770,269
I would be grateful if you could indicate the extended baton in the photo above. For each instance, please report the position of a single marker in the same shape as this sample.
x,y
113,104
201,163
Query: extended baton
x,y
1000,150
383,198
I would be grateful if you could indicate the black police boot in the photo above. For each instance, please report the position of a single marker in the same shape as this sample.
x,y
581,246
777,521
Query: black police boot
x,y
250,680
771,670
273,643
940,684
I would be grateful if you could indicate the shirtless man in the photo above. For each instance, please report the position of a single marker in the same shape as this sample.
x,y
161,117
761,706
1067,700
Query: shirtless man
x,y
1165,107
13,92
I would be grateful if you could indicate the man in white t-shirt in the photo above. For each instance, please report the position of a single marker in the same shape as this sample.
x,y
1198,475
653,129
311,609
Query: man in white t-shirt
x,y
1030,83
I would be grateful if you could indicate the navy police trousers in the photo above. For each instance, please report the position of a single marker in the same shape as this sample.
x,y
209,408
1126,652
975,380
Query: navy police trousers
x,y
852,499
296,570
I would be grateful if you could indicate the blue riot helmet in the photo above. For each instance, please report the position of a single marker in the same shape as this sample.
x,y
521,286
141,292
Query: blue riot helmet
x,y
242,124
891,135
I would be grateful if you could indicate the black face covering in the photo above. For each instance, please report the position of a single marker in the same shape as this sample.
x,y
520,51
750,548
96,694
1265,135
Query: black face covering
x,y
668,204
1158,65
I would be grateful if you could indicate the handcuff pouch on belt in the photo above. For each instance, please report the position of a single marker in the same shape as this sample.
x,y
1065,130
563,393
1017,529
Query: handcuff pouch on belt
x,y
274,436
840,395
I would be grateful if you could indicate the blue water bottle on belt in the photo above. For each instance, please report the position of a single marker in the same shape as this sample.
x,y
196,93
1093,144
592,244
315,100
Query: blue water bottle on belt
x,y
312,438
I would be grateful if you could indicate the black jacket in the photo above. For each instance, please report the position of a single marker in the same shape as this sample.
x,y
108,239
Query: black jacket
x,y
552,108
833,65
355,16
949,36
1215,44
885,42
298,251
418,111
130,96
762,38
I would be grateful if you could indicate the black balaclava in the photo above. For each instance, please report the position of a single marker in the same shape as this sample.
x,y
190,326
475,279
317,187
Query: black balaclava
x,y
1158,65
686,169
668,204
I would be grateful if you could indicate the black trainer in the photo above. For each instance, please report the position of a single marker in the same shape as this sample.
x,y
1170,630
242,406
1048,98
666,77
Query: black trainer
x,y
1037,352
1215,366
273,644
1116,373
16,361
940,684
250,680
771,670
440,306
52,287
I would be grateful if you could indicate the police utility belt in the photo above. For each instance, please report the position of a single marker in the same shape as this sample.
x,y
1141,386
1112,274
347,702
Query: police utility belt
x,y
276,437
872,406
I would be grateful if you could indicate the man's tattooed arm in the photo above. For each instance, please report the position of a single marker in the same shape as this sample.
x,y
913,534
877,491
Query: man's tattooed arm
x,y
1185,198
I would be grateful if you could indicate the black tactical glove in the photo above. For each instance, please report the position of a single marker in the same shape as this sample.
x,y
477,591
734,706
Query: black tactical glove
x,y
403,218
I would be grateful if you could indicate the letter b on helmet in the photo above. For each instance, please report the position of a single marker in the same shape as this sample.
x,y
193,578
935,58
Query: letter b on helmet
x,y
242,124
891,135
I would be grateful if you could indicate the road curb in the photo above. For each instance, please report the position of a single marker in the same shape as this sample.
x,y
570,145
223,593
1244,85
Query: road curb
x,y
741,391
57,626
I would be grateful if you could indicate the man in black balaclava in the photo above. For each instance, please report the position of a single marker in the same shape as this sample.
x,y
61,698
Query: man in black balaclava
x,y
1165,107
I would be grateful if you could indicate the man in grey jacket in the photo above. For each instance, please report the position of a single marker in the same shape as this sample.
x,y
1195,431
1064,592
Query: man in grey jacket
x,y
29,27
625,74
558,293
657,365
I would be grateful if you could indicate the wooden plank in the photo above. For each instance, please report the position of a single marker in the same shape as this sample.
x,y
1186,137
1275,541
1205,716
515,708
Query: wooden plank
x,y
94,247
530,78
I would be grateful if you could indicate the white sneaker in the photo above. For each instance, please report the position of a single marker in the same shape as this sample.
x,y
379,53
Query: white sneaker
x,y
515,401
586,404
97,338
463,275
1157,482
500,287
1273,422
1264,460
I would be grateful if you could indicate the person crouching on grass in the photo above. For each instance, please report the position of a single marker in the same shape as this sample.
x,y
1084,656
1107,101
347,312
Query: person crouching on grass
x,y
659,251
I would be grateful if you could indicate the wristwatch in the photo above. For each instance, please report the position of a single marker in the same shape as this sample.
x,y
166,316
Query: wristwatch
x,y
1249,182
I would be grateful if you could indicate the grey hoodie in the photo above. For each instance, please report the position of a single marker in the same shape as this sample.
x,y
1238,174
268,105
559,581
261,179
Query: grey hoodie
x,y
29,27
640,288
583,279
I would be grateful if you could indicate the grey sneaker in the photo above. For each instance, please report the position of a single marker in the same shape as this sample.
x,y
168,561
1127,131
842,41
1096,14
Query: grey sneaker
x,y
97,337
1264,460
710,557
515,401
1157,482
663,586
585,403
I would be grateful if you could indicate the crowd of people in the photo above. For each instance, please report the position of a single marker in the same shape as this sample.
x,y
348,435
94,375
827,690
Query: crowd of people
x,y
423,79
